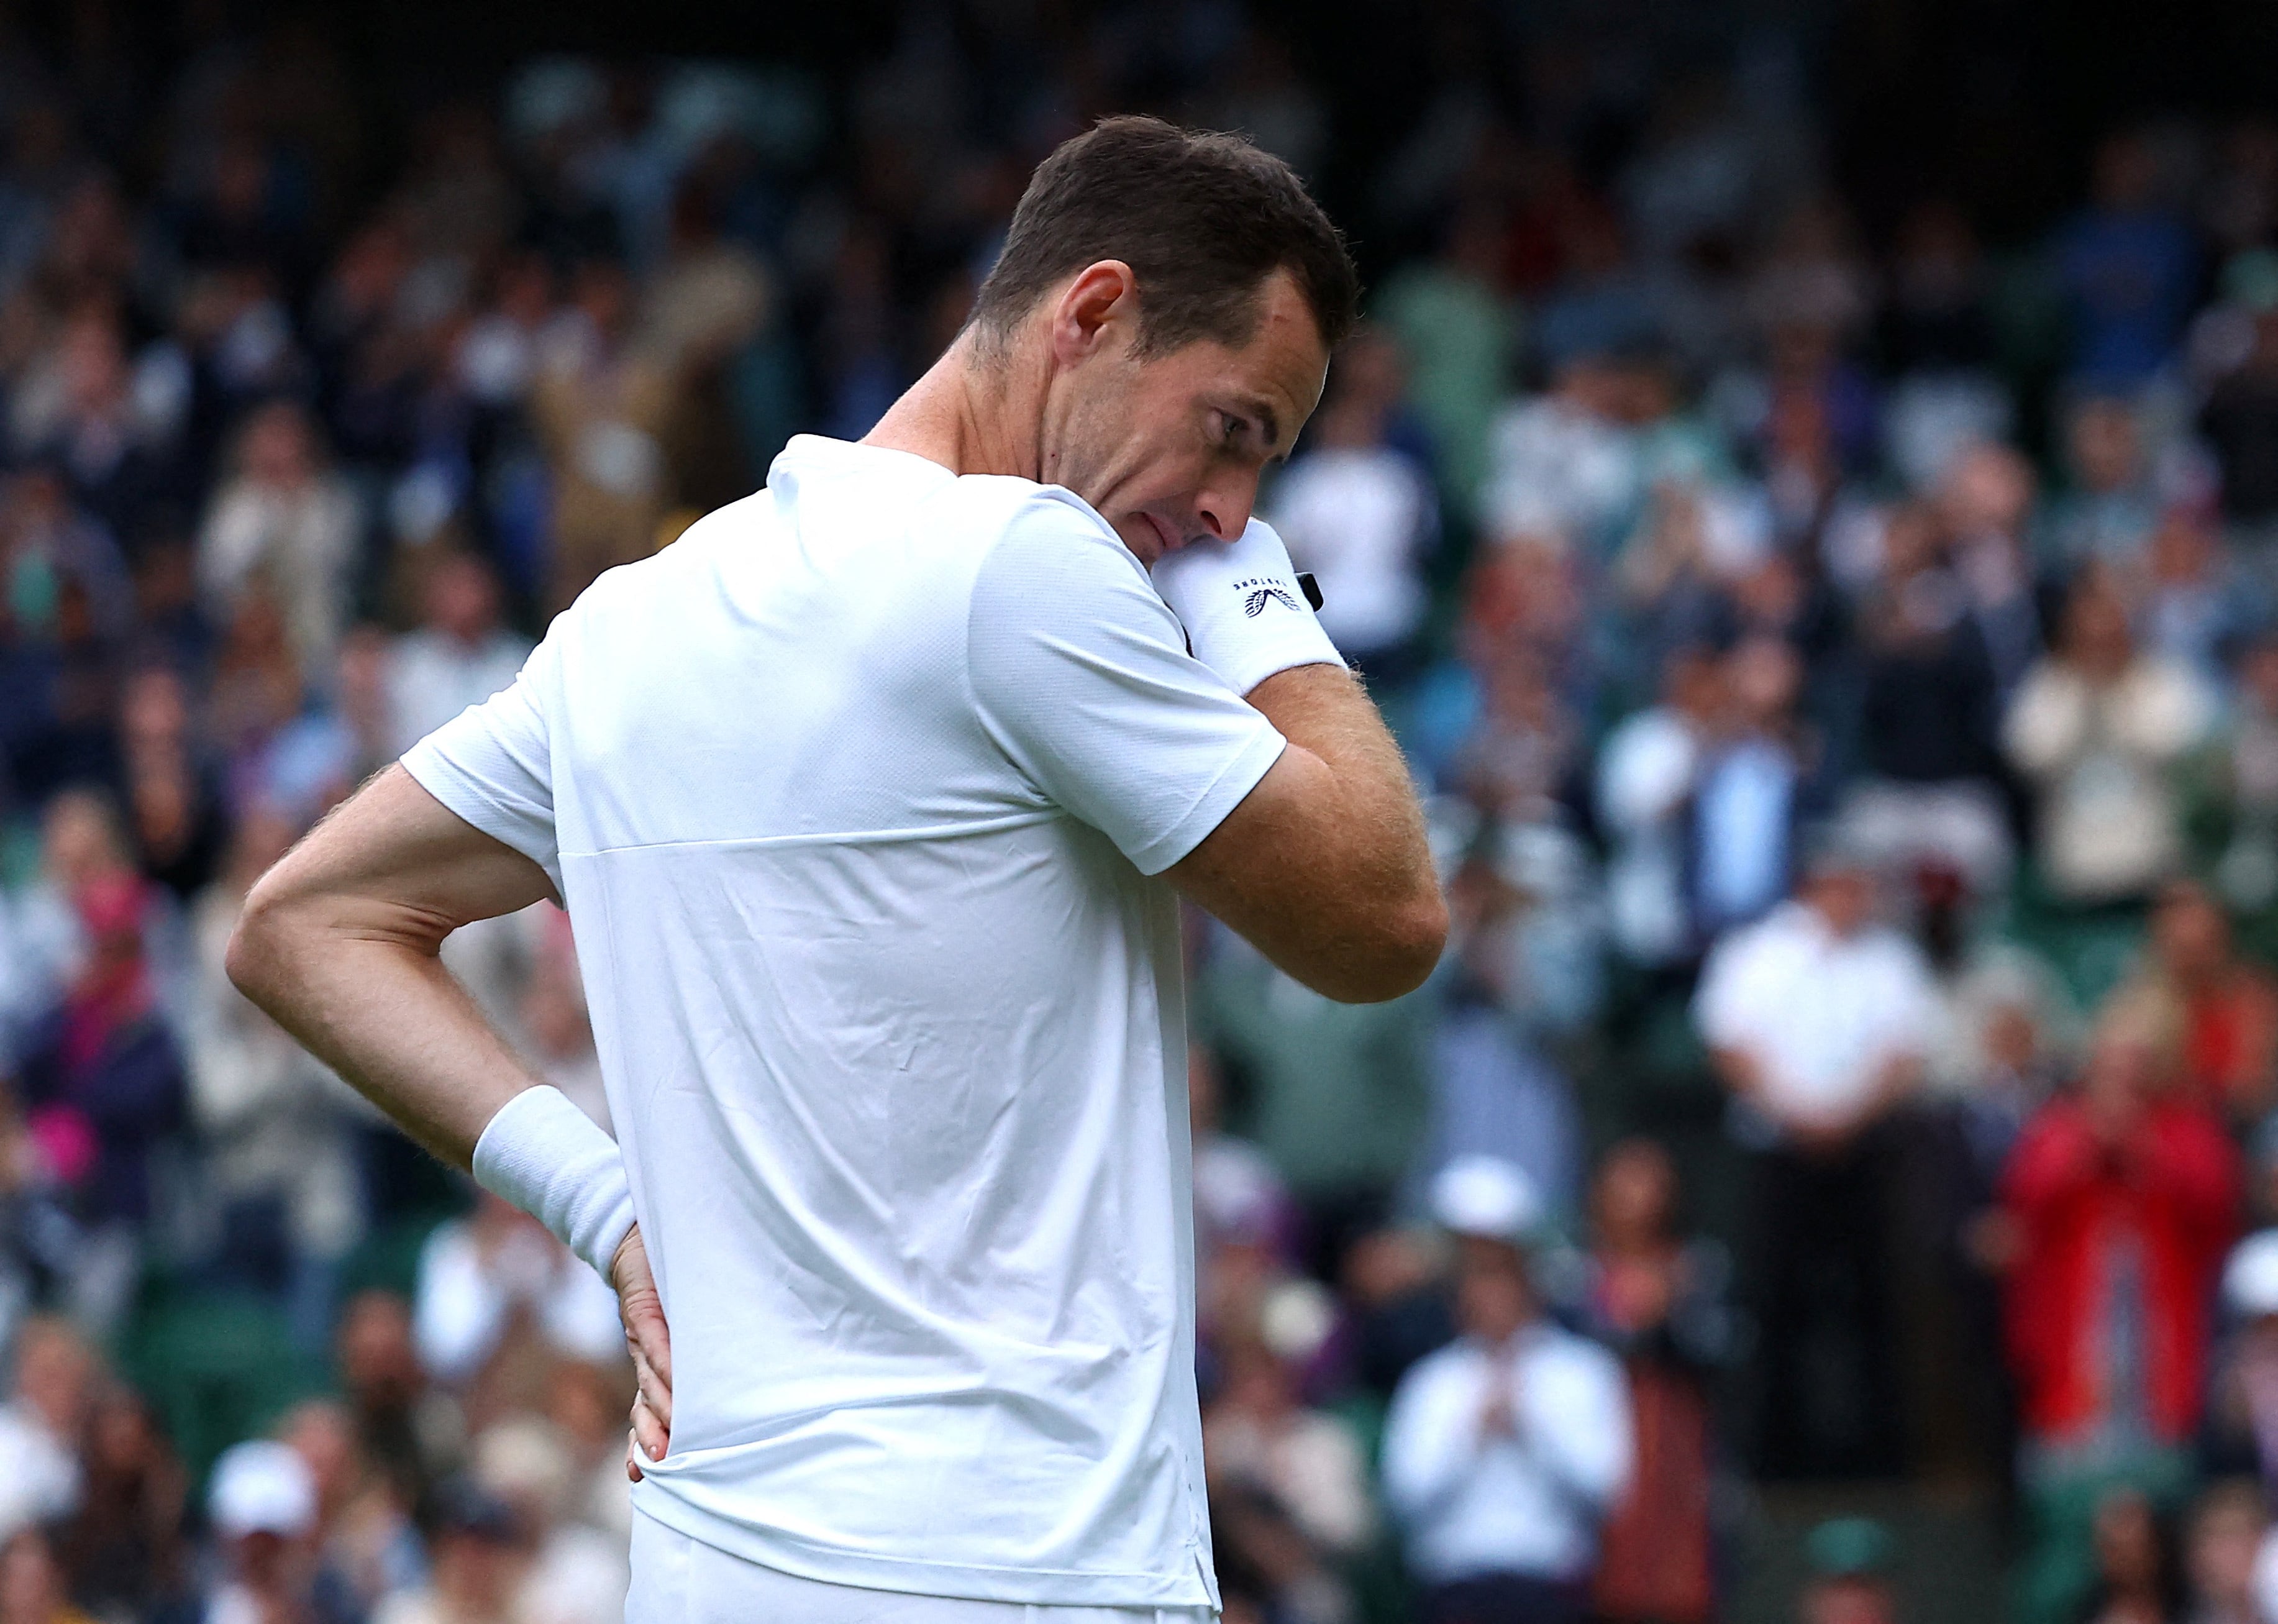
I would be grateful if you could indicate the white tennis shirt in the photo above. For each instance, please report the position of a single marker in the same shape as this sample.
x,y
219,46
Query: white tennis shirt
x,y
853,794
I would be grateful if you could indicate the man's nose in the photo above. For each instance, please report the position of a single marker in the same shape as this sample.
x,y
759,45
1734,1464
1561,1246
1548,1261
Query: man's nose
x,y
1224,512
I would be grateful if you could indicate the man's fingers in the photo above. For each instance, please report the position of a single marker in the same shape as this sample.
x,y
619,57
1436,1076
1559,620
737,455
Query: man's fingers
x,y
633,1455
655,1387
646,1334
651,1438
645,1331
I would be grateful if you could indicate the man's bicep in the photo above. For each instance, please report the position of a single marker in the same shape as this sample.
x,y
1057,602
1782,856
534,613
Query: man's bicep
x,y
394,858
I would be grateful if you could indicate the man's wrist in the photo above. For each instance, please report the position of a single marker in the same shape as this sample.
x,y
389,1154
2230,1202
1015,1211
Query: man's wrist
x,y
541,1154
1247,616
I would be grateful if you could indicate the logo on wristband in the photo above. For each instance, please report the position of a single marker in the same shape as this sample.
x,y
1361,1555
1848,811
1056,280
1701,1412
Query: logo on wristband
x,y
1263,590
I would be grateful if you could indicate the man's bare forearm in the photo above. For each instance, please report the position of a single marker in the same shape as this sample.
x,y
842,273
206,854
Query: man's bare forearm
x,y
1324,710
339,945
1324,867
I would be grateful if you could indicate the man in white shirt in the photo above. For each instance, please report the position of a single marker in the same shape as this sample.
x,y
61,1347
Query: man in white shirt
x,y
1504,1449
1819,1021
856,795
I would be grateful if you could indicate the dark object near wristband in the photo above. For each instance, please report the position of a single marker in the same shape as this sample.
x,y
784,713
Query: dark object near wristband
x,y
1310,588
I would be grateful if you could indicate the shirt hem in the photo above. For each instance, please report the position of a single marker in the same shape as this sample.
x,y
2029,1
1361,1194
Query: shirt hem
x,y
864,1570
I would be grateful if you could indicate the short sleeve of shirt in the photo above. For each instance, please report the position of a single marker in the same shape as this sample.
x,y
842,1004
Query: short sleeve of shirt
x,y
493,766
1081,675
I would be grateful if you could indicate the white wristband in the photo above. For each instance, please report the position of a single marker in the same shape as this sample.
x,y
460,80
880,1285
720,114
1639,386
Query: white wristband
x,y
1245,615
544,1156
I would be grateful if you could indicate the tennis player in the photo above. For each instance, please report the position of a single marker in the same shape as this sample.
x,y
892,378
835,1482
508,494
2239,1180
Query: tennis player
x,y
871,798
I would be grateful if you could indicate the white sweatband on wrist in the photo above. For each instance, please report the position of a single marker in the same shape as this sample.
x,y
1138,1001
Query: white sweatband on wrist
x,y
1246,616
544,1156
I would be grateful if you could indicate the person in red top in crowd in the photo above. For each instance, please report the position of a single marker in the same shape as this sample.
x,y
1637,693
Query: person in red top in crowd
x,y
2122,1199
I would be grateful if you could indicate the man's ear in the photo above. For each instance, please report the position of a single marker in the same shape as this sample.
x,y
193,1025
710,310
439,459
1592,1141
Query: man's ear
x,y
1099,299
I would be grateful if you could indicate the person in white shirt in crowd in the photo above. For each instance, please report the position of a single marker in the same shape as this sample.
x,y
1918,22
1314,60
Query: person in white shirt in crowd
x,y
40,1425
458,656
1819,1021
1648,773
1504,1451
854,795
1361,514
2099,726
496,1276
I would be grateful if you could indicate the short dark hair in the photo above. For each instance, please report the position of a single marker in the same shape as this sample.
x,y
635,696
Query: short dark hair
x,y
1202,219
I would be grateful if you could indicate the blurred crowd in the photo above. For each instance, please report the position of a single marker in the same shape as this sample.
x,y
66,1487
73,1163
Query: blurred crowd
x,y
1840,648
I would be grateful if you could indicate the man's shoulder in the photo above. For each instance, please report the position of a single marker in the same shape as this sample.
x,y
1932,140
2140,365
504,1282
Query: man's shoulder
x,y
991,510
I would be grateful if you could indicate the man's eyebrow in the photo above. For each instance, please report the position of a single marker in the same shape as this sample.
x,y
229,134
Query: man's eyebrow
x,y
1262,409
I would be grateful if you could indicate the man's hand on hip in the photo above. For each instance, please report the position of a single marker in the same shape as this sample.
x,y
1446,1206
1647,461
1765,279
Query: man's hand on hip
x,y
650,1343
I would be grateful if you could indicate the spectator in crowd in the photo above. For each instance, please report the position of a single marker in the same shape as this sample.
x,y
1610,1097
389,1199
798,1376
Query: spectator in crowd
x,y
2223,1540
124,1551
2138,1577
2226,1008
2230,794
2099,726
1361,514
275,1125
1929,716
1265,1443
498,1299
459,655
178,816
1338,1092
1753,793
1819,1021
1648,770
262,1502
1985,507
2240,1435
2125,1195
2108,514
1658,1301
410,1432
284,526
2240,422
1504,1452
2129,266
576,1574
106,1085
478,1558
54,1372
31,1582
365,1546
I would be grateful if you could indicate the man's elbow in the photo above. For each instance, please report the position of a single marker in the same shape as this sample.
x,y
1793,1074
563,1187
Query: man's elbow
x,y
1397,953
259,952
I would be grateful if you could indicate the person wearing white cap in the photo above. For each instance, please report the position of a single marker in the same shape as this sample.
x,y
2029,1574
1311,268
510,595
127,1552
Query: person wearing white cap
x,y
262,1502
1504,1449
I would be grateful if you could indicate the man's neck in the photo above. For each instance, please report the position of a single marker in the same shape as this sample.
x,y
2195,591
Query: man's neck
x,y
974,413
